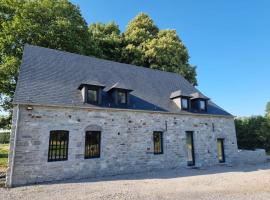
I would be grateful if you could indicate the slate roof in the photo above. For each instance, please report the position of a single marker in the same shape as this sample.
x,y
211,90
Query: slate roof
x,y
52,77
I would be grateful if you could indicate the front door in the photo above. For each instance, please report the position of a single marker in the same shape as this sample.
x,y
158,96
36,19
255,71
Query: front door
x,y
190,148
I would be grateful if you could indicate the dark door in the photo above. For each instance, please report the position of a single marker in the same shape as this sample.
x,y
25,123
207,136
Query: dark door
x,y
220,150
190,148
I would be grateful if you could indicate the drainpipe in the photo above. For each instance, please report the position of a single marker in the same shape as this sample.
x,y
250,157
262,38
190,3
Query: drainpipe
x,y
14,145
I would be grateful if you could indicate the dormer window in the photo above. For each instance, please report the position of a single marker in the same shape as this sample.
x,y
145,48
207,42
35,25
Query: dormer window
x,y
122,97
91,92
184,103
199,102
92,95
119,94
181,99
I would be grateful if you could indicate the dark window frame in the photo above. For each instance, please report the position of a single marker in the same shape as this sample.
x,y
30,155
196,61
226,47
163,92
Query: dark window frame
x,y
223,160
93,89
193,162
161,142
87,144
118,97
58,148
182,107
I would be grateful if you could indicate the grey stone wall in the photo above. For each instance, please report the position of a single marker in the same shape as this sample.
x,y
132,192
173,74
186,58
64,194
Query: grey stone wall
x,y
126,142
250,157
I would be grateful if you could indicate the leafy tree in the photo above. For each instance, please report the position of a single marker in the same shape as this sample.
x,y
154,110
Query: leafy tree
x,y
146,45
253,132
5,122
267,110
139,31
107,40
56,24
167,52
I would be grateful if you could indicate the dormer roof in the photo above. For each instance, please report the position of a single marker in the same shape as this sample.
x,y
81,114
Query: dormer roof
x,y
120,86
198,95
179,93
91,83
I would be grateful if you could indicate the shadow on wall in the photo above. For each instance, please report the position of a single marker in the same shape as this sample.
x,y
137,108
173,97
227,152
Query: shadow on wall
x,y
171,173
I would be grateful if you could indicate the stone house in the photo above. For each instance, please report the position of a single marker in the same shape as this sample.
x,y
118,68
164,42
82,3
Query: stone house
x,y
77,116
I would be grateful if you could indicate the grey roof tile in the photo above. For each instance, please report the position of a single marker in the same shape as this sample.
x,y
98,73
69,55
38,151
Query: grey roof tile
x,y
52,77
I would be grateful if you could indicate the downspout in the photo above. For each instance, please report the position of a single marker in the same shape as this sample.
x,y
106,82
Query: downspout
x,y
14,145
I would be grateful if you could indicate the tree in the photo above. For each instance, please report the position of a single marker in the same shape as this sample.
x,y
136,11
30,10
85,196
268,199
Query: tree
x,y
107,40
167,52
139,31
253,132
5,122
146,45
267,110
56,24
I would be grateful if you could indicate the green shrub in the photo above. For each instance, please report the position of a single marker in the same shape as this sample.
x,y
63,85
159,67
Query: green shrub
x,y
253,132
4,137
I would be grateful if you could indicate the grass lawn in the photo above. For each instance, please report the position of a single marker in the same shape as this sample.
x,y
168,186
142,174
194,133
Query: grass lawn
x,y
3,155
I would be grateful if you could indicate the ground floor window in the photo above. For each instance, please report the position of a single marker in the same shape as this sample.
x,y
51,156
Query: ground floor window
x,y
92,144
158,142
220,150
58,146
190,148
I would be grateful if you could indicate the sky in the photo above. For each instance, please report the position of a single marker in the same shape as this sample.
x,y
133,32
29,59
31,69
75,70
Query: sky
x,y
227,40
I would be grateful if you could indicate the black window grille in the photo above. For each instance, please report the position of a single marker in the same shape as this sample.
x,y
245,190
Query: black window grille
x,y
158,142
92,144
58,146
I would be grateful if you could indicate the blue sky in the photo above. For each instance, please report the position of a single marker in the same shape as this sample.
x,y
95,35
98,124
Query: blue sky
x,y
228,41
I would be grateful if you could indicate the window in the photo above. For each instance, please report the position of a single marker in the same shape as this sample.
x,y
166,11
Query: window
x,y
213,127
92,144
190,148
158,143
202,105
220,149
58,146
92,96
122,97
184,103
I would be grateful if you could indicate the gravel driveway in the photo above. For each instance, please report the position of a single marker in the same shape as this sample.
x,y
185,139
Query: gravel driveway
x,y
241,183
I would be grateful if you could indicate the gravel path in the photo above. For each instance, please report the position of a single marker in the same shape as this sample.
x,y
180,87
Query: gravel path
x,y
238,183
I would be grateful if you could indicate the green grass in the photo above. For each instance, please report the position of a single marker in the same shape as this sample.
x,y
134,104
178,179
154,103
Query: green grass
x,y
4,155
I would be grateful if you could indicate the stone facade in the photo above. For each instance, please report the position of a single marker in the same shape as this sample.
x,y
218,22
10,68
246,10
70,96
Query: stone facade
x,y
126,142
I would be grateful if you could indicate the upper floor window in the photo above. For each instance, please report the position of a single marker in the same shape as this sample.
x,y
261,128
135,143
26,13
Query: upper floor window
x,y
184,104
158,142
122,97
202,105
58,146
92,95
92,144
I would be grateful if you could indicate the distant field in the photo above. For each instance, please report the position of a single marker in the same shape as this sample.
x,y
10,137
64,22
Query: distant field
x,y
3,156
